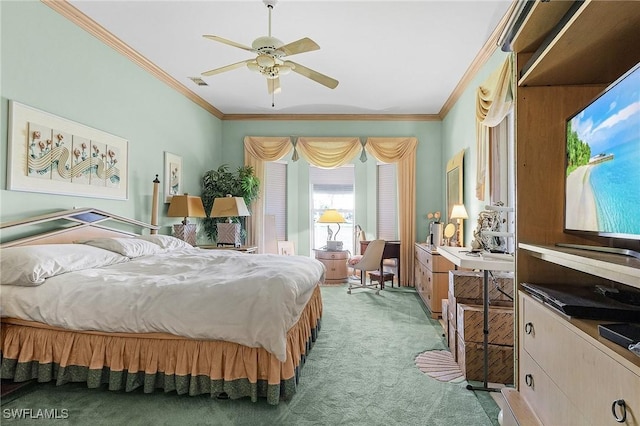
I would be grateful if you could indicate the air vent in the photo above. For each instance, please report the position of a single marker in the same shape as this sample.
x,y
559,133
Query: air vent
x,y
198,81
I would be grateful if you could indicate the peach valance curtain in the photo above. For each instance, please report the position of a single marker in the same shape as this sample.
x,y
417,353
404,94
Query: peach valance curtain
x,y
332,152
401,151
494,98
257,151
328,152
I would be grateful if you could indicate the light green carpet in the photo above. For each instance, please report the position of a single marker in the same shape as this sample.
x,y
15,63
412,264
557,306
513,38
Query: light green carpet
x,y
361,371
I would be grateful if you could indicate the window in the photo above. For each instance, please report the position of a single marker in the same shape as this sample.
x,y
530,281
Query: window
x,y
387,203
332,189
502,170
275,196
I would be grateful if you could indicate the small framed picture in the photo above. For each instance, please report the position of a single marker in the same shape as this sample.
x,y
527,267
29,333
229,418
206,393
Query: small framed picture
x,y
172,176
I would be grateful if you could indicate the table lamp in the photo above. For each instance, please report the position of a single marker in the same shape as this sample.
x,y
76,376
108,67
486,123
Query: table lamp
x,y
186,206
458,212
332,216
229,233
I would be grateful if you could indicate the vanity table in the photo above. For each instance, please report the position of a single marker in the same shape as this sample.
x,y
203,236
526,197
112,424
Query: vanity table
x,y
463,258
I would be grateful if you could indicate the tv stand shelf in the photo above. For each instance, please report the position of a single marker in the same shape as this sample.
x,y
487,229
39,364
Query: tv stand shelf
x,y
615,267
566,54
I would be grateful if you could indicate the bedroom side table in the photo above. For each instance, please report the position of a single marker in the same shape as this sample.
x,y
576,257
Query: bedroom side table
x,y
335,263
243,249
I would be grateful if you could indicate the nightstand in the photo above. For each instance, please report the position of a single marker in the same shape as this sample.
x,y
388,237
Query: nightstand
x,y
244,249
336,264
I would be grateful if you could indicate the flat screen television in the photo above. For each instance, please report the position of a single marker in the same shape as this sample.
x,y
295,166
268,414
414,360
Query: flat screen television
x,y
602,188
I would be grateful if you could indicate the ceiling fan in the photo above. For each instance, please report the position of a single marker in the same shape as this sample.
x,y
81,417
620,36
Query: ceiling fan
x,y
270,62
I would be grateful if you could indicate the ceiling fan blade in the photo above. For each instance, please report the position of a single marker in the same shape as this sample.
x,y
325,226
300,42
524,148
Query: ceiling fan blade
x,y
225,68
314,75
273,85
299,46
229,42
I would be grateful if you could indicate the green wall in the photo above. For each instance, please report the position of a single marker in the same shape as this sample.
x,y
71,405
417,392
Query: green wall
x,y
459,132
429,170
51,64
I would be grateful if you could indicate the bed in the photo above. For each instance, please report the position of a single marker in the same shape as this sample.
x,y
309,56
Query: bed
x,y
86,302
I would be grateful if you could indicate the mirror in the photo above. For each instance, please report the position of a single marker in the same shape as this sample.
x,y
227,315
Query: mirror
x,y
454,193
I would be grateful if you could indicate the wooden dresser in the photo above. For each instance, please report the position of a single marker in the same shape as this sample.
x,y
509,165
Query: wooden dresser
x,y
336,265
570,375
431,277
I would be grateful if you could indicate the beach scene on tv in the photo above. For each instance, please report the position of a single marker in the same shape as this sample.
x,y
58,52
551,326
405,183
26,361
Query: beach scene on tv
x,y
603,162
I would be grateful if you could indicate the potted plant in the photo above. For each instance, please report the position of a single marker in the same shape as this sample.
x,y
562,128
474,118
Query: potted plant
x,y
220,182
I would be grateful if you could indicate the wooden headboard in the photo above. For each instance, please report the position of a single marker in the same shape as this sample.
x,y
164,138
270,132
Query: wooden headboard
x,y
73,225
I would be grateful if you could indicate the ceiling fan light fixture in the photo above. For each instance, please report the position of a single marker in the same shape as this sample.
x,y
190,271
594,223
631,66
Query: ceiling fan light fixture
x,y
284,69
265,61
253,66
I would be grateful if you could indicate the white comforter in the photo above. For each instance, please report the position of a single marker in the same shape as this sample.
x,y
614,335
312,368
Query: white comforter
x,y
201,294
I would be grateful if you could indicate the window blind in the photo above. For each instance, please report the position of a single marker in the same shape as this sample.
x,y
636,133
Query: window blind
x,y
387,214
275,196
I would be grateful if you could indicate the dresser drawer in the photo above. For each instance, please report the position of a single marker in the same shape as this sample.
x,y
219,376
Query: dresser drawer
x,y
546,399
588,376
332,255
437,285
433,262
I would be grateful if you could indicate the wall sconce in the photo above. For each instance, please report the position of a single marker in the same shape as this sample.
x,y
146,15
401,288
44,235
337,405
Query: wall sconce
x,y
229,233
186,206
459,213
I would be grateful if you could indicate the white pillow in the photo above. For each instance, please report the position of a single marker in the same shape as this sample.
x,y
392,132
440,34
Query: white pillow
x,y
166,241
130,247
31,265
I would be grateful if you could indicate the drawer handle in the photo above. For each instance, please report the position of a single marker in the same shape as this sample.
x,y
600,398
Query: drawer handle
x,y
528,379
623,410
528,328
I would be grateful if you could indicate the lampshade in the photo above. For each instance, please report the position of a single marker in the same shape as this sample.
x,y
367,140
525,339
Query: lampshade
x,y
331,216
186,206
229,207
459,212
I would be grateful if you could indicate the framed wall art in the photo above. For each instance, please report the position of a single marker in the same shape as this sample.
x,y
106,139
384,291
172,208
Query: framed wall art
x,y
50,154
172,176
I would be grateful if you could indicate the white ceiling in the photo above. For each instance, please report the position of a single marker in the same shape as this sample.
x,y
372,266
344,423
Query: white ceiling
x,y
390,57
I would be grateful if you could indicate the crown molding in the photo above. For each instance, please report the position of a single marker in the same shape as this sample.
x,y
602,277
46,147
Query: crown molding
x,y
65,9
334,117
481,58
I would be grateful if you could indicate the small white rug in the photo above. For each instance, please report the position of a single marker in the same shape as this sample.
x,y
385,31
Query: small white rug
x,y
440,366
